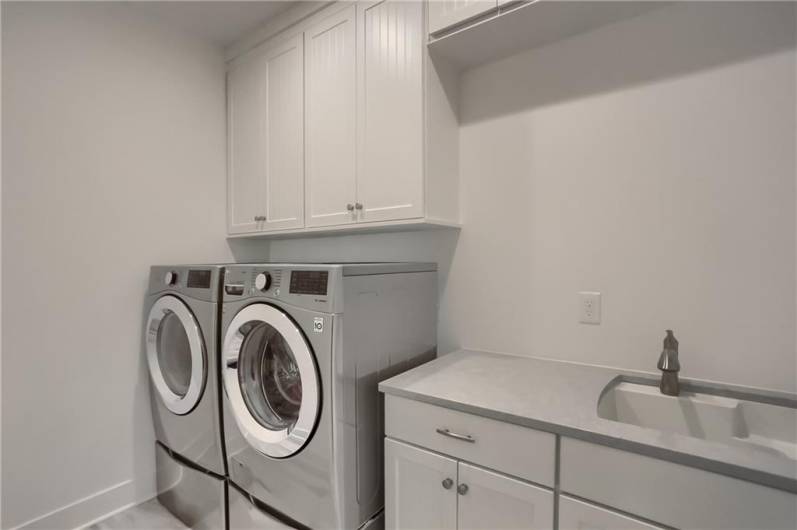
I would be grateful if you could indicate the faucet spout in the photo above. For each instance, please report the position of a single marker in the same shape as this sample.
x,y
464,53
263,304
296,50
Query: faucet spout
x,y
669,366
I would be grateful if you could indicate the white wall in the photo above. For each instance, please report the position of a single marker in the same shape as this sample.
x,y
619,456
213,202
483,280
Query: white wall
x,y
652,160
113,159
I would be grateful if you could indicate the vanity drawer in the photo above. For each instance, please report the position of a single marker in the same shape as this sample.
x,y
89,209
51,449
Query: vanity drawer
x,y
669,493
505,447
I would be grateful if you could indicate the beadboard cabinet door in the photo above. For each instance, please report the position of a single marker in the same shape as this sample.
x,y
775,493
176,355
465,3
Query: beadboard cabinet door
x,y
420,489
245,121
492,500
266,138
331,110
390,177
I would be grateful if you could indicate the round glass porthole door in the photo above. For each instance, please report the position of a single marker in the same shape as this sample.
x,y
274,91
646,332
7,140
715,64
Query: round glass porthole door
x,y
175,354
271,380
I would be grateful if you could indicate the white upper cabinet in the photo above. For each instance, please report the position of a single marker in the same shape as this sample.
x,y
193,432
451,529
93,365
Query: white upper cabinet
x,y
266,138
330,104
344,123
390,183
245,119
446,13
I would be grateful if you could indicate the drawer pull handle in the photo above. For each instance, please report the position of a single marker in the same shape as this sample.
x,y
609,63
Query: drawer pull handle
x,y
462,489
447,483
464,437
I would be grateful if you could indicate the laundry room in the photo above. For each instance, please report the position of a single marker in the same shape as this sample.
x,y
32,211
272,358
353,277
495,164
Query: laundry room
x,y
402,264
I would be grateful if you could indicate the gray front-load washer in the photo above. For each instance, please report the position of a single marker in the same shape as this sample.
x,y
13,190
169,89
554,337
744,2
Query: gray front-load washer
x,y
303,349
181,334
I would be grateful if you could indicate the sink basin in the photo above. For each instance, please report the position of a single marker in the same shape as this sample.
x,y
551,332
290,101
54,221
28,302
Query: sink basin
x,y
734,420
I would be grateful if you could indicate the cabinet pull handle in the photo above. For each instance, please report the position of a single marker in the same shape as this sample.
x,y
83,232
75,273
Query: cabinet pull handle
x,y
260,218
350,207
358,205
464,437
462,489
447,483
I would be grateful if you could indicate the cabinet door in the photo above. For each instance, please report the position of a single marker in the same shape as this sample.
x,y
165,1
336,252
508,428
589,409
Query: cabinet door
x,y
390,111
330,141
445,13
420,489
283,87
245,168
266,138
578,515
495,501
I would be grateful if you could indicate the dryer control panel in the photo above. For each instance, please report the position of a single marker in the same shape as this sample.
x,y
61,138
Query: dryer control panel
x,y
311,287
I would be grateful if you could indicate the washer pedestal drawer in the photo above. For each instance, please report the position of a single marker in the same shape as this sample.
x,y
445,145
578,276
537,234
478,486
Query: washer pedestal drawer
x,y
246,516
196,498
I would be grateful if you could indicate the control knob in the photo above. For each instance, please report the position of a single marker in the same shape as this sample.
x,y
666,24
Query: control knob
x,y
170,278
263,281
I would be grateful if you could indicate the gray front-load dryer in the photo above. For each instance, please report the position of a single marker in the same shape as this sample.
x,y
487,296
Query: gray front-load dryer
x,y
303,349
181,333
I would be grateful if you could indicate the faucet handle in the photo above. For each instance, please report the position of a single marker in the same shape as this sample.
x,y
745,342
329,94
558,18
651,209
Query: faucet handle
x,y
670,342
668,360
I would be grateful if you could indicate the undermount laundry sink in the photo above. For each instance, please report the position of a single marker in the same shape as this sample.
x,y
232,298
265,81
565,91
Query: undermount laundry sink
x,y
735,418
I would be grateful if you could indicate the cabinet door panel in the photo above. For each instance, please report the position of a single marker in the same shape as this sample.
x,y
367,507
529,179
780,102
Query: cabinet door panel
x,y
445,13
497,502
579,515
331,144
415,498
284,135
391,135
245,164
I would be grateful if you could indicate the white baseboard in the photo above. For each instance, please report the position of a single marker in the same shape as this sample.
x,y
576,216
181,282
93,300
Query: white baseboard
x,y
94,507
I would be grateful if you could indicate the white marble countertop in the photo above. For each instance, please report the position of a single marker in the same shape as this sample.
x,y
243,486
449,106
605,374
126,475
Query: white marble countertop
x,y
562,398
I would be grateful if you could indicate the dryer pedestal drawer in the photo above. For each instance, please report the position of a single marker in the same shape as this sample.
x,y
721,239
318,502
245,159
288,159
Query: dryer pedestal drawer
x,y
512,449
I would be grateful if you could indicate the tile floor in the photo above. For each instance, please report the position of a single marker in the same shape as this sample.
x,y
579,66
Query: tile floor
x,y
148,515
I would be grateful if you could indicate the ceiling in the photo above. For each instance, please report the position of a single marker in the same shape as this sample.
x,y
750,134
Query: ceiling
x,y
218,22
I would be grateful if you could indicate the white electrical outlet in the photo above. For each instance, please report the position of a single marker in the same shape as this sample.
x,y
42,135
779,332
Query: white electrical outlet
x,y
589,307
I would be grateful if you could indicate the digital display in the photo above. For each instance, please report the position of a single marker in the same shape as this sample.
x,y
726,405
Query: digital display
x,y
309,282
199,279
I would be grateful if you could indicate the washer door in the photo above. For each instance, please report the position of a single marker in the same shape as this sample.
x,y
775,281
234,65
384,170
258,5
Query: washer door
x,y
271,379
176,354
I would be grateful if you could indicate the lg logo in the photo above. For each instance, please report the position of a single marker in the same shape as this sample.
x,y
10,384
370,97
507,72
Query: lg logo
x,y
318,325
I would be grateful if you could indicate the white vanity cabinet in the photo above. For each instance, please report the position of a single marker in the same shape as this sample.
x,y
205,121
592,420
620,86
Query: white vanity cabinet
x,y
420,488
448,469
352,126
425,490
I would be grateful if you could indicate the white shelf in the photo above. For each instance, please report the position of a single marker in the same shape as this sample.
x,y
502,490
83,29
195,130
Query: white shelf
x,y
526,25
351,229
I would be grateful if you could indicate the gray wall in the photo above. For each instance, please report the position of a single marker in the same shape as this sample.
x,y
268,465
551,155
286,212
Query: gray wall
x,y
113,159
652,160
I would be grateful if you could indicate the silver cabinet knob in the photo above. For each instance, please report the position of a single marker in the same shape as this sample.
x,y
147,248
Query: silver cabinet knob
x,y
462,489
447,483
358,206
350,207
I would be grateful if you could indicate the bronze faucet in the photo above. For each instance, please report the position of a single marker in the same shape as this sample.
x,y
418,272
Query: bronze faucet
x,y
669,366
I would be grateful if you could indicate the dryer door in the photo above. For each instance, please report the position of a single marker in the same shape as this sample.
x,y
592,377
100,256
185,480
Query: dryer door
x,y
175,354
271,379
